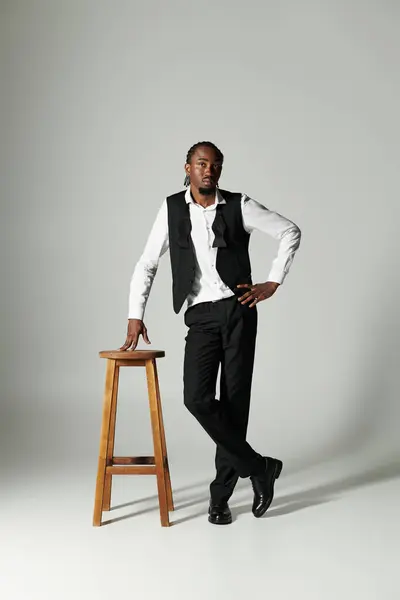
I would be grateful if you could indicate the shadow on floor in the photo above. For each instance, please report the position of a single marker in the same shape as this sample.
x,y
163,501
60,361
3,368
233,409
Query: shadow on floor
x,y
288,503
154,502
335,489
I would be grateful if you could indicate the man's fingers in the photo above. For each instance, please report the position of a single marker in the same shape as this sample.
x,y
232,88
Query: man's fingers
x,y
258,299
127,343
244,285
145,336
135,339
248,295
244,296
249,298
254,297
130,343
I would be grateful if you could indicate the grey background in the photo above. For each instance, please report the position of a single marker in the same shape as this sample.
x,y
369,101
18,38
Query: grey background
x,y
100,103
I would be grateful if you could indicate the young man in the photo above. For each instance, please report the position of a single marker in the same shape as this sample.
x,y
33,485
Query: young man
x,y
207,231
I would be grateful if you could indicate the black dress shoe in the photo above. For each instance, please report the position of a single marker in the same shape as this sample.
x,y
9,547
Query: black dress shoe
x,y
263,485
219,514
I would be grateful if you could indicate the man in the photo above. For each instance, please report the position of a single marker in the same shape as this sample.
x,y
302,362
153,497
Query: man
x,y
207,231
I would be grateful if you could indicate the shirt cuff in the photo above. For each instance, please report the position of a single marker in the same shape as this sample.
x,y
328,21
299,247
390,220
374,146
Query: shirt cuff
x,y
136,314
277,277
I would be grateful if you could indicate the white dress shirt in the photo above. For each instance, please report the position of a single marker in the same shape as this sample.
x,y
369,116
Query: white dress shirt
x,y
208,285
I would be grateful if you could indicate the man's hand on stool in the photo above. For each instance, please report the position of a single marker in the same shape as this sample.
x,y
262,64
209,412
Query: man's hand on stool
x,y
136,327
257,292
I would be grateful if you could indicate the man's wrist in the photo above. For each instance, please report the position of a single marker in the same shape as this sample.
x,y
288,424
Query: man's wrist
x,y
274,283
135,316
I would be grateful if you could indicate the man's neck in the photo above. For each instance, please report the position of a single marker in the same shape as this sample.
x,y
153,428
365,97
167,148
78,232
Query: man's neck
x,y
201,199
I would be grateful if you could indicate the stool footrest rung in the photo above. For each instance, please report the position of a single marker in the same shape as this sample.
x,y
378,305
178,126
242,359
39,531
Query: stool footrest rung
x,y
133,460
131,470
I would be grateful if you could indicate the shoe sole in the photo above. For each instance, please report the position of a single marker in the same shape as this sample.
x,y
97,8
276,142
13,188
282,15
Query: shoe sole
x,y
219,522
278,471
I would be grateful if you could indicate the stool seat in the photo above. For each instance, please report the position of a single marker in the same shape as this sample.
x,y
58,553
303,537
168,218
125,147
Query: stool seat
x,y
132,354
109,464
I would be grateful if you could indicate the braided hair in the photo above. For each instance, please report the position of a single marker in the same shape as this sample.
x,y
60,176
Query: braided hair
x,y
193,149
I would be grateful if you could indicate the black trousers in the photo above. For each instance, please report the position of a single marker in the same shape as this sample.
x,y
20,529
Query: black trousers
x,y
222,333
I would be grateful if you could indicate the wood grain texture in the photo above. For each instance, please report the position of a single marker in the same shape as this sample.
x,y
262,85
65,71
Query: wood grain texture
x,y
133,460
111,440
108,464
163,441
132,354
158,449
132,470
104,440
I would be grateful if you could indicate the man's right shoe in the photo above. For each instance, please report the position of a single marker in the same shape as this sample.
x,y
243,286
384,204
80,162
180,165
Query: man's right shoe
x,y
263,485
219,514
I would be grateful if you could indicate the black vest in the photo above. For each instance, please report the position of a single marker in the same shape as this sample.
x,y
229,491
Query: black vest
x,y
231,239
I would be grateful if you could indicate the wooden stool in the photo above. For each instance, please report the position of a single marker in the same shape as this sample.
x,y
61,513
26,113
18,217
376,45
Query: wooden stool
x,y
109,464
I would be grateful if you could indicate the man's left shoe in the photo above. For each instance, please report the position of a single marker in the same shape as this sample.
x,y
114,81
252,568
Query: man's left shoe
x,y
219,514
263,486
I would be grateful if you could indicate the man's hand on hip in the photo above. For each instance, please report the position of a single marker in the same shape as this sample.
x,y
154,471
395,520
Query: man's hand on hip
x,y
257,292
136,327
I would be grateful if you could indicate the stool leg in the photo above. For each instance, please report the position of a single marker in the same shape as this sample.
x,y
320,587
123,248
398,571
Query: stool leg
x,y
111,440
158,450
104,439
163,442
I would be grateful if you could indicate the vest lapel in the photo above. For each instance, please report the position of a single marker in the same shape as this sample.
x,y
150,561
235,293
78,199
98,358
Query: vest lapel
x,y
184,227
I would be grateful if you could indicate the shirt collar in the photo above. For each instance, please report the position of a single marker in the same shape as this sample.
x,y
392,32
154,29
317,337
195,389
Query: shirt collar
x,y
218,197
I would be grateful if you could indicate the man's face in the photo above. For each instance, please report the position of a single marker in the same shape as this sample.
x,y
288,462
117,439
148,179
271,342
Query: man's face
x,y
204,170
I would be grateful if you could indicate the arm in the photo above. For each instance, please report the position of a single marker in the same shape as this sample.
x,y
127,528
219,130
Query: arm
x,y
256,216
143,277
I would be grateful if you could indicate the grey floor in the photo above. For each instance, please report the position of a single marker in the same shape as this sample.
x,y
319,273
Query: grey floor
x,y
327,536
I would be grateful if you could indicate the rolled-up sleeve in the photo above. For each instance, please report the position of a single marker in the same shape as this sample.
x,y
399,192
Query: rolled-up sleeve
x,y
258,217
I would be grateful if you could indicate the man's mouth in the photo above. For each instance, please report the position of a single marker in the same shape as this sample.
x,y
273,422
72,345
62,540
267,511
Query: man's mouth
x,y
208,180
